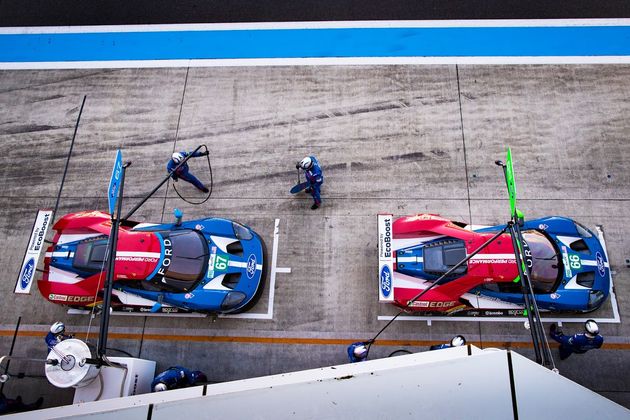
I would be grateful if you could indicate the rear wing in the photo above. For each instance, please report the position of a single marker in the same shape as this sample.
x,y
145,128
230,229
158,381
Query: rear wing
x,y
385,258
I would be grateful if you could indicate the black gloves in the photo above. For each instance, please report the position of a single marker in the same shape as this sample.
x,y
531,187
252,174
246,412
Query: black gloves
x,y
206,153
297,165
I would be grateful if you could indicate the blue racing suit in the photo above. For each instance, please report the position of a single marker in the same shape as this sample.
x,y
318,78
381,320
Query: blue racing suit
x,y
53,339
351,356
174,377
577,343
184,172
440,346
315,179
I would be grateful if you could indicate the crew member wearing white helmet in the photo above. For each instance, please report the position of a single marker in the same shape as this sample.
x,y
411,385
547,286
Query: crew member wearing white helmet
x,y
177,377
358,352
314,177
183,171
56,335
577,343
456,341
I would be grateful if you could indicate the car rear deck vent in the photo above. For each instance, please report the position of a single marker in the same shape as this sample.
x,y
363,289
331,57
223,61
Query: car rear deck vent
x,y
230,280
586,279
579,246
235,248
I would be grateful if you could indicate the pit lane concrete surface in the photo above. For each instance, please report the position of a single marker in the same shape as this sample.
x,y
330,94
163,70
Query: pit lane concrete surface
x,y
391,139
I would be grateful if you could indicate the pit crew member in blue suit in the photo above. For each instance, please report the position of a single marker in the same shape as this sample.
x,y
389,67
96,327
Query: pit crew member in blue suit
x,y
314,177
8,405
177,377
56,335
577,343
457,341
357,352
183,171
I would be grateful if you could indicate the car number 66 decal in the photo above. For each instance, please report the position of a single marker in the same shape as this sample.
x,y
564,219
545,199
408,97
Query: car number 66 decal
x,y
575,262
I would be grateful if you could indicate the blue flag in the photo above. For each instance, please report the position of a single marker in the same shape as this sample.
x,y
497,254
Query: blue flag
x,y
114,183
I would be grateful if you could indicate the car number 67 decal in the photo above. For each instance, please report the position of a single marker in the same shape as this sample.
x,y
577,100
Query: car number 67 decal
x,y
221,263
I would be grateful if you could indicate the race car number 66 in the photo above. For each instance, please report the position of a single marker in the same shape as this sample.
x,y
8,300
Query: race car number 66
x,y
575,261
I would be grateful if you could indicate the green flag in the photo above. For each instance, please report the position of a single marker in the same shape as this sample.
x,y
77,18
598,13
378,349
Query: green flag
x,y
509,178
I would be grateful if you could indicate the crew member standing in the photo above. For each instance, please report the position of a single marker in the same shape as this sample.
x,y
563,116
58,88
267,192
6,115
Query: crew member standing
x,y
56,335
183,171
314,177
577,343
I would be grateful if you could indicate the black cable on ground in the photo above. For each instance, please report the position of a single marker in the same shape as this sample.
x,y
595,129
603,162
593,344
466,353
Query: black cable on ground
x,y
401,351
65,171
196,203
15,333
92,347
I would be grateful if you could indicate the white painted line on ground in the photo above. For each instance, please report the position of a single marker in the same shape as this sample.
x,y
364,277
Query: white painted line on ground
x,y
473,23
613,297
73,311
272,280
328,61
429,319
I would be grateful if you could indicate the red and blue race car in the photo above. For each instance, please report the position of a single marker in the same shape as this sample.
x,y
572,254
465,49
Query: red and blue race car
x,y
568,265
209,265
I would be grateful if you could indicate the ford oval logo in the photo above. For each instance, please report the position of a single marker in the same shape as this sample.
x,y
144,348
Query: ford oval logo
x,y
26,276
251,266
386,281
600,264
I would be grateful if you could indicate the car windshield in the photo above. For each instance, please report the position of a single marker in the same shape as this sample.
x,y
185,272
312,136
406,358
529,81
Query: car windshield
x,y
544,266
185,257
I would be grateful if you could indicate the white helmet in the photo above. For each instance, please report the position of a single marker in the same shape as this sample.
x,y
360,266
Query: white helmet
x,y
160,386
360,351
591,327
458,341
306,163
177,157
57,328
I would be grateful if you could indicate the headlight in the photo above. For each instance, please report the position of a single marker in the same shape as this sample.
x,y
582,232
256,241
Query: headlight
x,y
595,298
232,300
241,232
